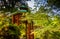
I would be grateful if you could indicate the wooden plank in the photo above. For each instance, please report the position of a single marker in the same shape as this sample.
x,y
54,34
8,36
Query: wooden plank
x,y
15,19
28,32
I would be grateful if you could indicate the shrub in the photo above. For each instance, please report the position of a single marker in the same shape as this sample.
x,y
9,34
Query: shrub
x,y
10,32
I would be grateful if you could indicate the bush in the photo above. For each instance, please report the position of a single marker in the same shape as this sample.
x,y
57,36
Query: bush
x,y
10,32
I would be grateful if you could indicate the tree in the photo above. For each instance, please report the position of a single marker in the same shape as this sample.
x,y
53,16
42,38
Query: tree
x,y
12,5
54,3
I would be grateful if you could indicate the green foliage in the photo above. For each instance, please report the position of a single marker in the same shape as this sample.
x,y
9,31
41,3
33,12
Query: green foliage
x,y
54,2
10,32
49,25
45,26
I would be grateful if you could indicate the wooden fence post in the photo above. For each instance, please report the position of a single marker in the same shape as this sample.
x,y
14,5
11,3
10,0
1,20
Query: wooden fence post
x,y
29,29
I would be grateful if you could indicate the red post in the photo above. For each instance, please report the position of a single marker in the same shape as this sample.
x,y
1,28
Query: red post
x,y
32,29
29,31
15,19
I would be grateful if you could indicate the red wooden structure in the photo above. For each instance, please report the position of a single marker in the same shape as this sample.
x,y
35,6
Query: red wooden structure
x,y
29,26
29,30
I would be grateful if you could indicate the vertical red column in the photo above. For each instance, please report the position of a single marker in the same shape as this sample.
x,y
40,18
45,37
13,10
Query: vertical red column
x,y
32,29
15,19
29,31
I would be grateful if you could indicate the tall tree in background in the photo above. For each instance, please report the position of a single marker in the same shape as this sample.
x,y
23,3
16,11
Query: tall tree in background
x,y
11,5
54,2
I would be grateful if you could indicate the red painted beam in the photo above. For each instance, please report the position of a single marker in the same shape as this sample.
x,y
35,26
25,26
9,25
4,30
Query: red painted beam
x,y
29,31
15,19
